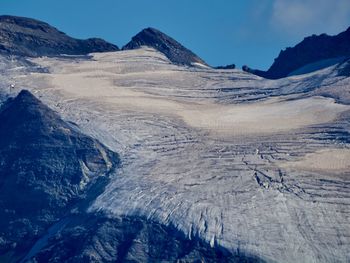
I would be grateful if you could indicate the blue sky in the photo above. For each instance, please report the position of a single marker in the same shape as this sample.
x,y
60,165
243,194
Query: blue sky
x,y
222,32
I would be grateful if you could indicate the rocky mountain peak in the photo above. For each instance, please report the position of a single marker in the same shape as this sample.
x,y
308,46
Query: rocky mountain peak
x,y
17,23
30,37
172,49
313,53
26,114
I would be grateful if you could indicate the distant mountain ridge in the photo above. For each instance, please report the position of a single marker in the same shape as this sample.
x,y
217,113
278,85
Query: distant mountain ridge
x,y
314,52
172,49
29,37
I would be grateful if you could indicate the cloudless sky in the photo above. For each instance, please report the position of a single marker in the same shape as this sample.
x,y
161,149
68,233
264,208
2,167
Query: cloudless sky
x,y
221,32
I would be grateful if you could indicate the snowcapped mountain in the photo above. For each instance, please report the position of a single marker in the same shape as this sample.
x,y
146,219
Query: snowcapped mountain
x,y
214,165
311,54
172,49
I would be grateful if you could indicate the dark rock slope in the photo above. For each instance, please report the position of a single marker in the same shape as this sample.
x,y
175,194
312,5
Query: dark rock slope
x,y
344,68
231,66
30,37
312,53
97,238
46,167
172,49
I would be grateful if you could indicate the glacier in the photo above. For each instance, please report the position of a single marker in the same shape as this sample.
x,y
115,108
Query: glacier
x,y
233,158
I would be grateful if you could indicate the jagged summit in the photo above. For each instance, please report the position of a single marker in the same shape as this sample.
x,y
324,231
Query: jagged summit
x,y
26,96
313,53
172,49
28,117
30,37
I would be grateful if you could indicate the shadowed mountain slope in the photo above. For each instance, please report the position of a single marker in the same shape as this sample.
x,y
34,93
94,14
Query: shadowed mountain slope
x,y
46,166
97,238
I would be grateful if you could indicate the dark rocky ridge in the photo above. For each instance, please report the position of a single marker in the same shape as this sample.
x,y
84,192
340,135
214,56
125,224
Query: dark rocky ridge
x,y
231,66
46,167
29,37
172,49
311,50
344,68
97,238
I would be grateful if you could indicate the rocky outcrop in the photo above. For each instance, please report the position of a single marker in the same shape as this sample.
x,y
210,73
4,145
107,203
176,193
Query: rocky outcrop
x,y
97,238
313,53
343,68
172,49
46,168
29,37
231,66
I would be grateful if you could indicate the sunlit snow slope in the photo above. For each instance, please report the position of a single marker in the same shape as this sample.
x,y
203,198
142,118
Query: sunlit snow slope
x,y
257,166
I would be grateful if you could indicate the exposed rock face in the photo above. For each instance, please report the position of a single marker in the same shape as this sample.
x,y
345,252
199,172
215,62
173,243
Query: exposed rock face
x,y
30,37
321,49
96,238
172,49
344,68
46,167
231,66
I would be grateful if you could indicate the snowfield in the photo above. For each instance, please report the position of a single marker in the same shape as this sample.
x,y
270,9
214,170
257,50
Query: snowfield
x,y
257,166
